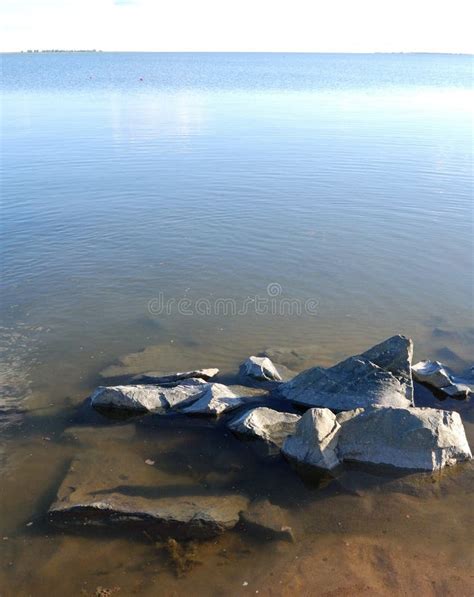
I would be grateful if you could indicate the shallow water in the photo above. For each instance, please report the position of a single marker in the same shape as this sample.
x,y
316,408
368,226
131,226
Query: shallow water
x,y
237,182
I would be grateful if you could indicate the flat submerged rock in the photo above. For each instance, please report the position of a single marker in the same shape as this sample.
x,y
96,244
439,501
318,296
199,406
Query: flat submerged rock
x,y
158,358
156,377
267,520
123,491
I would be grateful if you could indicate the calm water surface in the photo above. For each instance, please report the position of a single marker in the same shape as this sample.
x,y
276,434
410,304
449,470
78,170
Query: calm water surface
x,y
342,184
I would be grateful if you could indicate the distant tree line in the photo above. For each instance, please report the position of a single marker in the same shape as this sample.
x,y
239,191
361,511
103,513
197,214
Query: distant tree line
x,y
55,51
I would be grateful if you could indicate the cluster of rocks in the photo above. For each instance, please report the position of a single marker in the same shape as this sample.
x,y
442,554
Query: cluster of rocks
x,y
415,438
361,410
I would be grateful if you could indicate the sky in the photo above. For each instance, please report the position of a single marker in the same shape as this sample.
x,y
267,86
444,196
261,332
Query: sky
x,y
238,25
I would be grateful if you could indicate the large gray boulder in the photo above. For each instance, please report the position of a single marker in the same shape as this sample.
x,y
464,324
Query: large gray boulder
x,y
413,438
259,369
122,491
155,377
436,375
314,443
267,426
215,400
146,398
380,376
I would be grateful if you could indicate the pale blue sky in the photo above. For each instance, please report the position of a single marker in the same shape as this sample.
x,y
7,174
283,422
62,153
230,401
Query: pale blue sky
x,y
239,25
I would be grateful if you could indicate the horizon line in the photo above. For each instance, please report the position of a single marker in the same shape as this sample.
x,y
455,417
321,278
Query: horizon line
x,y
99,51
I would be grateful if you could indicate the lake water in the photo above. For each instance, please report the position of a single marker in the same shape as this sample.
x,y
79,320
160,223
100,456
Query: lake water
x,y
205,207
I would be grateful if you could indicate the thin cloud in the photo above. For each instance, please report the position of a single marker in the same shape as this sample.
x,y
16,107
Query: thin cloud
x,y
238,25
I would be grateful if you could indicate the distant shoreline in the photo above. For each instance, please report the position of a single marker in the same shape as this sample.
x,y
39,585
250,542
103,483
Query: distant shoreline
x,y
35,51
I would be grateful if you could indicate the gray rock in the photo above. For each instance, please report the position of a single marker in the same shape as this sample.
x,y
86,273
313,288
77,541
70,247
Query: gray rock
x,y
185,393
432,373
379,376
153,377
436,375
215,400
259,369
144,398
414,438
394,355
315,440
267,520
122,491
265,424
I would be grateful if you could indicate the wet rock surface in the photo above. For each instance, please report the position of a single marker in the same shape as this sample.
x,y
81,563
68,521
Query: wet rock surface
x,y
269,427
379,376
314,443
